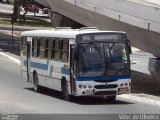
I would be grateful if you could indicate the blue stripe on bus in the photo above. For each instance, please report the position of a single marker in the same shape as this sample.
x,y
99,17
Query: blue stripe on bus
x,y
35,65
102,78
45,67
38,65
65,71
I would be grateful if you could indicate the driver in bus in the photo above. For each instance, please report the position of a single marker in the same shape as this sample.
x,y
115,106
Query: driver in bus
x,y
117,53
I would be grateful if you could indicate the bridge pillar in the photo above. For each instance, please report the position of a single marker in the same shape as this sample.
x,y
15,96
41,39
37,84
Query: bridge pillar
x,y
154,68
59,20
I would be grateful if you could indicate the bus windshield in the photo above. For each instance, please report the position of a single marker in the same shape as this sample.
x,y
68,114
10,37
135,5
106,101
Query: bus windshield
x,y
103,59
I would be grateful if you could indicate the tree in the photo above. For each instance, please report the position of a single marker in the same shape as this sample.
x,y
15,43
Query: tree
x,y
15,11
24,4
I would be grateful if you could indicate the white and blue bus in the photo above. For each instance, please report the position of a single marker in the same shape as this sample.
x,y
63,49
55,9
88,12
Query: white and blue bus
x,y
78,62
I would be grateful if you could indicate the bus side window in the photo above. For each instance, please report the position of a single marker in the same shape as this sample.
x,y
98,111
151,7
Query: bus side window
x,y
42,48
64,50
53,49
34,47
56,50
38,47
49,48
46,49
24,46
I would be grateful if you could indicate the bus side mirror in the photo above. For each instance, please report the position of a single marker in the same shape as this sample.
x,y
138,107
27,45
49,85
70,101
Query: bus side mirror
x,y
129,47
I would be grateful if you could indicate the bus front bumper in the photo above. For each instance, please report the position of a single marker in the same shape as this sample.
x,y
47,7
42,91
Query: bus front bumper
x,y
85,88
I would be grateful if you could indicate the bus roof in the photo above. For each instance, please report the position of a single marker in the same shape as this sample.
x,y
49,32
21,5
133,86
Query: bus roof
x,y
62,33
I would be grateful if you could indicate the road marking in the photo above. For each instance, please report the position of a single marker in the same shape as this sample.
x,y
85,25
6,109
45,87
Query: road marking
x,y
10,57
140,99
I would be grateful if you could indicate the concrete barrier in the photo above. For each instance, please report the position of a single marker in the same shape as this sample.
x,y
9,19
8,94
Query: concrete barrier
x,y
154,68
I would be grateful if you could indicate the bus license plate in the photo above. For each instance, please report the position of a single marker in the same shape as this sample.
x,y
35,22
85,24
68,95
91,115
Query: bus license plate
x,y
88,91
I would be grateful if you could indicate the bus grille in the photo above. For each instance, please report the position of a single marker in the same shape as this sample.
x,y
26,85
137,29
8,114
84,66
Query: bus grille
x,y
106,86
104,81
105,93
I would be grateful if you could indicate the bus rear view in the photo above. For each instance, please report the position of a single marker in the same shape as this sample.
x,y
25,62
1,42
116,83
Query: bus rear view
x,y
101,64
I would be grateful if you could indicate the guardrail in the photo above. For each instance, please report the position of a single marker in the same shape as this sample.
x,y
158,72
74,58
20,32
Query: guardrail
x,y
9,43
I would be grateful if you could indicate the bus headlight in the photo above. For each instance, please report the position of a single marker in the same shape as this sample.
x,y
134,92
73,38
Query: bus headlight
x,y
80,86
121,85
84,86
126,84
90,86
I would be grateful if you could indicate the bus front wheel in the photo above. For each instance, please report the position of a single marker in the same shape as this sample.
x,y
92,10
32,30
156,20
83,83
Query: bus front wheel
x,y
35,82
65,91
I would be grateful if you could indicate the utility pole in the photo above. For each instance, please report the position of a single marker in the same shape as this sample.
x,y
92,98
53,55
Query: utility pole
x,y
12,22
13,18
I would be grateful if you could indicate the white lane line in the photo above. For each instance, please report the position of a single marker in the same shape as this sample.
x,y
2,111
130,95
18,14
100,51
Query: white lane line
x,y
11,58
140,99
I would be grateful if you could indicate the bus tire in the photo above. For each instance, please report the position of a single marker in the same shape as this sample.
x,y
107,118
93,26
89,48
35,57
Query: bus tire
x,y
36,84
65,91
111,98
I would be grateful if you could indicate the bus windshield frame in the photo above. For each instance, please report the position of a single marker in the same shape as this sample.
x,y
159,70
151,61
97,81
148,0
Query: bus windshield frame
x,y
100,59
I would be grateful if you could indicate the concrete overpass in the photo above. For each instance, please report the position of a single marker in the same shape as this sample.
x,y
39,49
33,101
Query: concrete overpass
x,y
140,19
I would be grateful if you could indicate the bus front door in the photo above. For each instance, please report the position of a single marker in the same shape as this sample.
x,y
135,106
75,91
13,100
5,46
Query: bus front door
x,y
28,61
72,68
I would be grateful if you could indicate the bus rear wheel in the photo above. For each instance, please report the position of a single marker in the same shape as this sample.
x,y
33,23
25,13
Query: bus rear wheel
x,y
35,82
65,91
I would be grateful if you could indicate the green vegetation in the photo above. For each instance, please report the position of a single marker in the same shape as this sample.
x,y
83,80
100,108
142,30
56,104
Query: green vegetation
x,y
3,21
27,23
16,9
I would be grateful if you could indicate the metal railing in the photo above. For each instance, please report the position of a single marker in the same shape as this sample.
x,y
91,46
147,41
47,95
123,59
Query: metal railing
x,y
9,43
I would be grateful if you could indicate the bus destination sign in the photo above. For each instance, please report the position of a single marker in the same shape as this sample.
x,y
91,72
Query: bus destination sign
x,y
100,37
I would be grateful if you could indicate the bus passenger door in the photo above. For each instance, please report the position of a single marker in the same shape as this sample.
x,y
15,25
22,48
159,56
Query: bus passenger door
x,y
28,60
72,68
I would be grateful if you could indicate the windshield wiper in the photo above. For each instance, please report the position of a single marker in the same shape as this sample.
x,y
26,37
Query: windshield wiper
x,y
94,45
